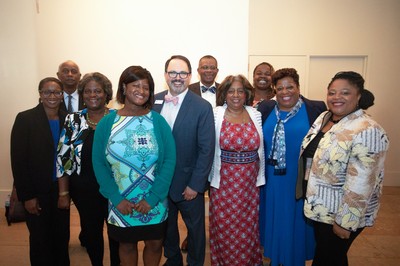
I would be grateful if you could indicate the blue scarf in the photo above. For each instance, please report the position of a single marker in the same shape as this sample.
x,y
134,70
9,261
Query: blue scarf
x,y
277,155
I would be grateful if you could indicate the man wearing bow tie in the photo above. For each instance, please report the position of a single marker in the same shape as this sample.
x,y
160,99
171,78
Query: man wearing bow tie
x,y
191,119
206,87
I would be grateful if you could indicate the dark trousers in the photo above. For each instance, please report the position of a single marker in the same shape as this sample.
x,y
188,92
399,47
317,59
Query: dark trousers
x,y
330,249
193,215
49,232
92,208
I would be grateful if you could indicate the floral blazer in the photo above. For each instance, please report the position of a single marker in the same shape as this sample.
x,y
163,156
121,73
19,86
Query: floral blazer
x,y
346,174
69,148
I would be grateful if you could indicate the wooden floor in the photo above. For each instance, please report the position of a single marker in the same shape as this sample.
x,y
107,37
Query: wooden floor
x,y
379,245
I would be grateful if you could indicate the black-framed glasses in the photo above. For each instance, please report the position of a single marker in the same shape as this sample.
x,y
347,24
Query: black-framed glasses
x,y
47,93
174,74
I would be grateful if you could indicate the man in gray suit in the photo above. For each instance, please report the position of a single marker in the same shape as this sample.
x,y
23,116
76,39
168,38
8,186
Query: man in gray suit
x,y
191,119
206,87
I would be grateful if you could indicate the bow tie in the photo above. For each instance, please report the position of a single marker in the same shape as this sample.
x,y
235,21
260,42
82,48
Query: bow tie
x,y
211,89
169,99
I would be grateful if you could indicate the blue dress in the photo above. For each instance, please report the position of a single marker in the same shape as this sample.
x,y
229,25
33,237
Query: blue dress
x,y
286,235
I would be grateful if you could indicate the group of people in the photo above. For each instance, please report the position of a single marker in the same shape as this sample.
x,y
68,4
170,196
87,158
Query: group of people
x,y
287,178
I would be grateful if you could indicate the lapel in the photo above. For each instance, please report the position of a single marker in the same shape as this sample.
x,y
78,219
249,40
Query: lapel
x,y
157,99
195,87
312,110
42,125
184,110
81,105
63,107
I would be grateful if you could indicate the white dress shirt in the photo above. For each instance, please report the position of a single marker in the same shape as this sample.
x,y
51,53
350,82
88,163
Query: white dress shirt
x,y
170,111
74,100
209,96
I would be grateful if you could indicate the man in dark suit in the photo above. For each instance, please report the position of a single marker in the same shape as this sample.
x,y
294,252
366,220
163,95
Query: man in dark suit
x,y
69,74
206,87
191,119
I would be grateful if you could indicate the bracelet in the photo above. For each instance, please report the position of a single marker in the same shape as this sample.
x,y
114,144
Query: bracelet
x,y
65,193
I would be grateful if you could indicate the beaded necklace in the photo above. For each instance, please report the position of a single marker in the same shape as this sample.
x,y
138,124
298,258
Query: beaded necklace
x,y
94,124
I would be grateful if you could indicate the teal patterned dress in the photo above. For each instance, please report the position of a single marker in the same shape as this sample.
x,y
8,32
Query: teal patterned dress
x,y
132,152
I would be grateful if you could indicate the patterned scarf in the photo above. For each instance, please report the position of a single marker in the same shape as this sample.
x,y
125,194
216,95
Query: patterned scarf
x,y
277,155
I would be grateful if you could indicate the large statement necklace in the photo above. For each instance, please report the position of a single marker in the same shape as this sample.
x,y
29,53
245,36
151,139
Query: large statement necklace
x,y
94,124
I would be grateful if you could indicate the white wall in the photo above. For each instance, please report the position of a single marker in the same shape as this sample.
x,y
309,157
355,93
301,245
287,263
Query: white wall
x,y
108,36
337,29
18,74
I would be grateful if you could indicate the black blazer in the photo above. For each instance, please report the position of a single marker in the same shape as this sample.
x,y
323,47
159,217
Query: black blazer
x,y
195,87
33,152
195,143
314,109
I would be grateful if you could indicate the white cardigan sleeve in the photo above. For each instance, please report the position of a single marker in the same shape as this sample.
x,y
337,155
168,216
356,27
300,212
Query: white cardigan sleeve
x,y
215,177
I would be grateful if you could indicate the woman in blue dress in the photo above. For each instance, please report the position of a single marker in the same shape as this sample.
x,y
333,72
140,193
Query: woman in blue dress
x,y
134,159
286,235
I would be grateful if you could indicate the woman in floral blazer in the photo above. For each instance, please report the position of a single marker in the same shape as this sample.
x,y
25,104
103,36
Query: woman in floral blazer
x,y
76,178
344,155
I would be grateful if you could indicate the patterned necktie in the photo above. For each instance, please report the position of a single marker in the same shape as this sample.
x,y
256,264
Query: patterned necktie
x,y
69,108
210,89
174,100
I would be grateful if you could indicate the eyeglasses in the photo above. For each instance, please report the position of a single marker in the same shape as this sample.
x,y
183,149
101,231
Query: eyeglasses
x,y
48,93
239,92
174,74
208,68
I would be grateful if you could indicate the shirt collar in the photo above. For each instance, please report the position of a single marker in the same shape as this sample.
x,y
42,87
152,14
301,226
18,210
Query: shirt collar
x,y
180,96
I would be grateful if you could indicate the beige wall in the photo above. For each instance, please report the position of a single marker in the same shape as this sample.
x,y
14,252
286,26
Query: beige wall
x,y
108,36
18,75
366,28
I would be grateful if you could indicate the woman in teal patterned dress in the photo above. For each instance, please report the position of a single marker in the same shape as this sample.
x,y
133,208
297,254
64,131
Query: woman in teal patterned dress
x,y
134,159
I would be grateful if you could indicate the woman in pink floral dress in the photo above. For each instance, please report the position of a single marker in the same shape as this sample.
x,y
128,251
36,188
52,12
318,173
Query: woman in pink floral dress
x,y
237,173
